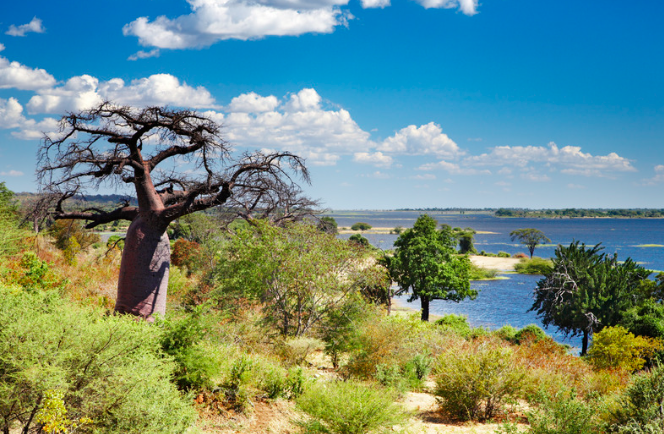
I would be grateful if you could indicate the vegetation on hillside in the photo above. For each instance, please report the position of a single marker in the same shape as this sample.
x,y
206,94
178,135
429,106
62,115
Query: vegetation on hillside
x,y
262,317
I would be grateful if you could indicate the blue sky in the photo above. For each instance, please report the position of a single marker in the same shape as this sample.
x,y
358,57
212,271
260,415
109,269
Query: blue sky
x,y
393,103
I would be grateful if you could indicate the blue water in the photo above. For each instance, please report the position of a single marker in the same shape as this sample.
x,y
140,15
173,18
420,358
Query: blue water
x,y
503,302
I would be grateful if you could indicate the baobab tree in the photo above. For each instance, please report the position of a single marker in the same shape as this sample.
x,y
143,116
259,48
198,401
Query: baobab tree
x,y
142,149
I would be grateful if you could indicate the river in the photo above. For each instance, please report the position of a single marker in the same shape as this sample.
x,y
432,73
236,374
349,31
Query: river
x,y
507,301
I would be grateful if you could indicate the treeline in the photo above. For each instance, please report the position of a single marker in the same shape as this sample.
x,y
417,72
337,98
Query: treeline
x,y
580,212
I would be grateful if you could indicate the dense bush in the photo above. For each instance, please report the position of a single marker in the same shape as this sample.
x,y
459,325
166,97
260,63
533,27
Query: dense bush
x,y
105,369
181,339
529,333
479,273
360,226
563,413
349,408
615,347
476,380
533,266
63,230
456,323
639,409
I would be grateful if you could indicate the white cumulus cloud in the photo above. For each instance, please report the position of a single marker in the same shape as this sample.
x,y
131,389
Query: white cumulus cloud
x,y
424,140
377,159
568,159
17,76
453,168
34,26
12,173
299,123
145,54
216,20
11,113
85,91
253,103
468,7
211,21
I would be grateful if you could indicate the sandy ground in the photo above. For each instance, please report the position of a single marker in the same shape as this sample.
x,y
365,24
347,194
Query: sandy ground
x,y
494,263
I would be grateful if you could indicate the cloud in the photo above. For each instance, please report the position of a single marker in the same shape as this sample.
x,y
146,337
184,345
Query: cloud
x,y
576,186
377,159
425,177
83,92
17,76
34,26
369,4
11,113
658,178
217,20
211,21
468,7
426,140
253,103
453,168
2,47
11,117
569,160
144,54
12,173
535,177
299,123
33,130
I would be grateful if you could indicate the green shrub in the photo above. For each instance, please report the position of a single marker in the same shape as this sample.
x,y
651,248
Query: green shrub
x,y
359,240
360,226
294,351
529,333
533,266
615,347
563,414
349,408
479,273
503,255
180,339
476,380
506,333
107,369
639,409
456,323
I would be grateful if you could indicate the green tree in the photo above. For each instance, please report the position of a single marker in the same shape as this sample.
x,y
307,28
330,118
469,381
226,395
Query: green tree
x,y
359,240
328,224
529,237
298,272
425,262
587,290
465,237
360,226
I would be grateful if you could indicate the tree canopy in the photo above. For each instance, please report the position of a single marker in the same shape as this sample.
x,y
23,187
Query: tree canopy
x,y
425,262
587,290
529,237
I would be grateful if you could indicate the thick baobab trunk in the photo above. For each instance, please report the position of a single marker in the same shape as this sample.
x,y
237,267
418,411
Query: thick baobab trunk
x,y
144,270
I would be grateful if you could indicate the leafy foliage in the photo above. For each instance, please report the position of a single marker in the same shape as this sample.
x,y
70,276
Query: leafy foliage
x,y
533,266
615,347
529,237
563,413
328,224
639,409
63,230
299,272
587,290
425,262
109,369
360,226
475,381
349,408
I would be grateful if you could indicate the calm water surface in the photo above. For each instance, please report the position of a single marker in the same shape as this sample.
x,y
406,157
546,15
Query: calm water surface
x,y
507,301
